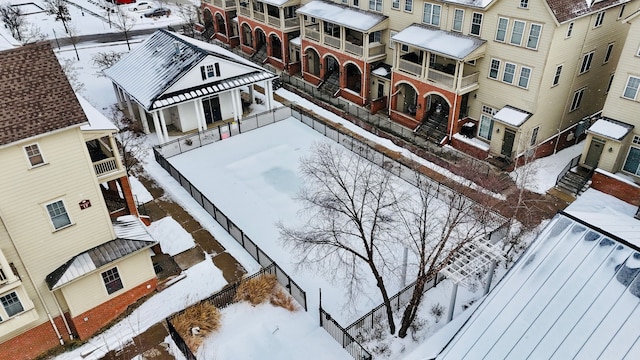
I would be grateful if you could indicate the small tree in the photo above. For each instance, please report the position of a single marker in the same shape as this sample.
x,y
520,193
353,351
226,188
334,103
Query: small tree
x,y
21,30
70,70
105,60
125,23
188,14
74,39
133,146
60,10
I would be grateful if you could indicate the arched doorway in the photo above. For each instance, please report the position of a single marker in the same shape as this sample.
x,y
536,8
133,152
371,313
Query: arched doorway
x,y
437,109
354,78
276,46
222,26
331,65
247,35
406,99
313,62
209,28
261,39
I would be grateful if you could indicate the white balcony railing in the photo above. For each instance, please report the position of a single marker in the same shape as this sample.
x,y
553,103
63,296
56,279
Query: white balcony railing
x,y
244,11
230,3
274,21
105,166
410,67
217,3
258,16
353,48
440,77
291,22
377,49
469,80
332,41
312,34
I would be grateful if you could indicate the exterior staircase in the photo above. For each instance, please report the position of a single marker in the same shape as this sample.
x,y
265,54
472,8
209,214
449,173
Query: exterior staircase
x,y
261,54
331,84
575,181
433,127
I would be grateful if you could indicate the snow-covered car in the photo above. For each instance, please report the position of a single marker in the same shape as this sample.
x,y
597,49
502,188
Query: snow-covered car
x,y
157,12
142,5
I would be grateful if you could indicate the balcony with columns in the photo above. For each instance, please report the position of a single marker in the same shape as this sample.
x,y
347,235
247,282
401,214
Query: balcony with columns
x,y
275,13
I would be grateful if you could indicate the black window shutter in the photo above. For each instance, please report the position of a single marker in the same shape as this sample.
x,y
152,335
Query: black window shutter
x,y
203,72
217,69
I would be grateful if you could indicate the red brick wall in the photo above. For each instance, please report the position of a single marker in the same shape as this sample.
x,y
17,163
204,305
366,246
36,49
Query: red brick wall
x,y
612,186
294,68
34,342
378,104
469,149
268,30
101,315
128,195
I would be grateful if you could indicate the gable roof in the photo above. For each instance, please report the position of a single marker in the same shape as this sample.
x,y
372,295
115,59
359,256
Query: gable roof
x,y
151,68
565,10
574,294
35,95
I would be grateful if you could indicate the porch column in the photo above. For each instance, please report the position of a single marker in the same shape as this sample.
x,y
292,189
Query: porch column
x,y
143,119
268,92
234,103
204,121
251,96
425,64
156,124
163,126
196,104
118,96
114,151
129,107
459,71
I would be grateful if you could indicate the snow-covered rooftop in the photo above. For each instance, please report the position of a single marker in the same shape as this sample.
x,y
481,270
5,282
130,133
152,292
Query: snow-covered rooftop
x,y
512,116
275,2
342,15
574,294
443,42
472,3
381,71
610,128
296,41
97,121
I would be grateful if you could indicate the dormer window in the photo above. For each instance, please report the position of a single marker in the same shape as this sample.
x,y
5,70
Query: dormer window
x,y
210,71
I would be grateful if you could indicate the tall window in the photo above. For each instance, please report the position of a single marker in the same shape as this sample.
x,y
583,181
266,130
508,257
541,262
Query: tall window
x,y
599,19
11,304
524,4
556,77
610,82
486,127
525,74
509,73
58,214
431,14
621,13
458,19
476,24
534,36
408,5
375,37
586,62
375,5
516,32
34,155
607,55
494,69
577,99
392,44
570,29
501,32
631,90
112,281
632,163
534,136
395,4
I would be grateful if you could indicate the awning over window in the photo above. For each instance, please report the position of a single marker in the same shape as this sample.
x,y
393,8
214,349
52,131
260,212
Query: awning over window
x,y
512,116
610,128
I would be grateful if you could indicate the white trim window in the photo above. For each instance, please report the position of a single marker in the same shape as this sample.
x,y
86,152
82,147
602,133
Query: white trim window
x,y
431,14
586,62
525,75
556,77
408,5
34,155
524,4
392,43
631,89
375,5
534,136
494,69
577,99
517,32
395,4
476,24
486,127
458,19
501,31
112,281
11,304
569,30
58,214
534,36
632,162
607,54
599,19
509,72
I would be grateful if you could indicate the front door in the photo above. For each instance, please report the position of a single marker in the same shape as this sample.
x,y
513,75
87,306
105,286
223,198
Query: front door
x,y
593,155
211,108
507,143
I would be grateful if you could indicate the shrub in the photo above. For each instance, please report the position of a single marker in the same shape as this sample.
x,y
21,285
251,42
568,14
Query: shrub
x,y
204,317
262,289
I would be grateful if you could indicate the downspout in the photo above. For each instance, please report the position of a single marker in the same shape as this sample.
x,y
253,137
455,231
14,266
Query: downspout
x,y
26,269
64,318
453,114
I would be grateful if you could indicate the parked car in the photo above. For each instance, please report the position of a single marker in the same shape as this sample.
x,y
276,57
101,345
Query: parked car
x,y
157,12
142,5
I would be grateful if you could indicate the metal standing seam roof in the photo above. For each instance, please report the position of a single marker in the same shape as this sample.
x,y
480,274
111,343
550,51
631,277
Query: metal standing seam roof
x,y
448,43
151,68
574,294
132,237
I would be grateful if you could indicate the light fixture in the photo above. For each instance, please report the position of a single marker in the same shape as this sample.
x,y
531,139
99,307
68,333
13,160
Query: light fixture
x,y
610,149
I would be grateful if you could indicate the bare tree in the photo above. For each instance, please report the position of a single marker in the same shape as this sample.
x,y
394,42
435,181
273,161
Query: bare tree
x,y
188,14
133,147
15,20
60,10
73,38
70,70
125,23
105,60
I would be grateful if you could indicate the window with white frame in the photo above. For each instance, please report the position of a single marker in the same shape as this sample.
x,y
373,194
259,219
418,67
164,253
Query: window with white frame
x,y
631,89
458,19
11,304
431,14
556,76
375,37
486,127
112,281
408,5
525,74
213,70
570,29
58,214
524,4
345,1
534,136
534,36
517,32
610,82
375,5
599,19
577,99
607,54
34,155
395,4
509,73
586,62
356,3
392,44
404,48
501,31
494,70
638,53
476,24
632,162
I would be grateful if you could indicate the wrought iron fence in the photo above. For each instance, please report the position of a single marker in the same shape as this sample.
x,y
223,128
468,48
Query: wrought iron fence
x,y
180,343
348,342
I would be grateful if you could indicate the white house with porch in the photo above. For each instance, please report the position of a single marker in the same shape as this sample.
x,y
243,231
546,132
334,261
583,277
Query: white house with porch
x,y
176,80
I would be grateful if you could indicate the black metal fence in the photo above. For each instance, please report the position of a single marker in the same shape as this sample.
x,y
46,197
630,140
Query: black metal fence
x,y
343,338
180,343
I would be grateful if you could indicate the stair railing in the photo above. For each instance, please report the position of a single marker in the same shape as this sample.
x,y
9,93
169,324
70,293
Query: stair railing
x,y
568,167
586,179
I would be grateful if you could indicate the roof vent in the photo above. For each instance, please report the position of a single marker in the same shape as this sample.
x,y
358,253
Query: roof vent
x,y
176,45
